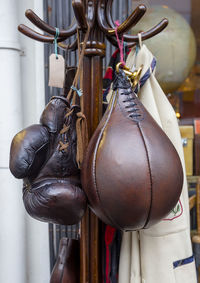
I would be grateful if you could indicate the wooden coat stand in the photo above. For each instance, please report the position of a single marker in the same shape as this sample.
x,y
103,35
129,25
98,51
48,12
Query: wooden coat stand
x,y
96,13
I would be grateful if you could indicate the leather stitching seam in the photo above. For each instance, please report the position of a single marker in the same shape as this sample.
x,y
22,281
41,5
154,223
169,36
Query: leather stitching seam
x,y
32,161
94,163
150,175
124,113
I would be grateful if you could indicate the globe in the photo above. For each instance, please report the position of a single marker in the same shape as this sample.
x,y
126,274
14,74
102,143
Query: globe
x,y
174,48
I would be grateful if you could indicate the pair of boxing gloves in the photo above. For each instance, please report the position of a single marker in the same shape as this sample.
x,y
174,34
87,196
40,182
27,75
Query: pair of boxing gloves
x,y
51,178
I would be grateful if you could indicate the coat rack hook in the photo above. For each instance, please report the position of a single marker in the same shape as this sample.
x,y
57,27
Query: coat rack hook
x,y
47,28
102,21
131,21
148,34
133,38
79,12
37,36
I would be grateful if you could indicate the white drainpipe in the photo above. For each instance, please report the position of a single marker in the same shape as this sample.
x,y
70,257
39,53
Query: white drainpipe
x,y
24,249
12,225
33,97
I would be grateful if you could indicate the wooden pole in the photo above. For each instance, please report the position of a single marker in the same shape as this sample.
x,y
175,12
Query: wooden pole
x,y
92,100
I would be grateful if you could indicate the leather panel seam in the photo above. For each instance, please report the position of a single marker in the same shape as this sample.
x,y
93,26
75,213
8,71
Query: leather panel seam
x,y
94,162
32,161
150,175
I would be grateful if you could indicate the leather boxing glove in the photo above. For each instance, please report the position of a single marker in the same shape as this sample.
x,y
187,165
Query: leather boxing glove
x,y
44,155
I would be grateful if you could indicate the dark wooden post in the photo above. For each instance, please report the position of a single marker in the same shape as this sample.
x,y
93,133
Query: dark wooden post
x,y
92,89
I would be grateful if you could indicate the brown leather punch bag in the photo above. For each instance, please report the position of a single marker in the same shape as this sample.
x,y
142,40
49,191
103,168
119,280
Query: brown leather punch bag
x,y
132,174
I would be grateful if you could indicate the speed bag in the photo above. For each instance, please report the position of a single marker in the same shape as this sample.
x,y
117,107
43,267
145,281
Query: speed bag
x,y
131,173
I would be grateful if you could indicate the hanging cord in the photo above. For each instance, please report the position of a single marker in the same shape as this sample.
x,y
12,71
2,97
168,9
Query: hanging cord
x,y
81,55
56,42
81,122
120,44
76,90
82,137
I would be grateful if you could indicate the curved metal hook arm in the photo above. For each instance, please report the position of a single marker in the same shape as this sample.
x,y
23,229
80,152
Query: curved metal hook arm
x,y
37,36
45,27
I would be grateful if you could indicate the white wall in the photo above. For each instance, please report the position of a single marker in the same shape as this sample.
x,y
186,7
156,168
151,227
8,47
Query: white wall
x,y
24,246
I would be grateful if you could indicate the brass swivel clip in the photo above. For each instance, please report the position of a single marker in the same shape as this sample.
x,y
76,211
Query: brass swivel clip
x,y
134,77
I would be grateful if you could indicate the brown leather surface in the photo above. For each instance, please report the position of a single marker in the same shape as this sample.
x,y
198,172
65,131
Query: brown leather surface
x,y
132,173
52,189
67,266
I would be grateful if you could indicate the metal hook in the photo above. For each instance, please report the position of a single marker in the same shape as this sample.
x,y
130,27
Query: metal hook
x,y
133,76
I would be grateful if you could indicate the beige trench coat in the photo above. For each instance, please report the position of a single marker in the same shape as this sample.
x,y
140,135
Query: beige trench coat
x,y
147,256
